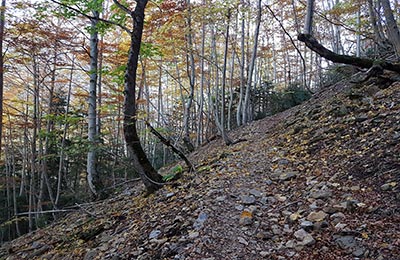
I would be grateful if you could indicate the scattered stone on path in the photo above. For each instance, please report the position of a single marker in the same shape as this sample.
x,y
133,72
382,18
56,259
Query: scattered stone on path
x,y
388,186
255,192
305,238
154,233
317,216
286,176
199,223
243,241
247,200
350,244
307,225
246,218
322,193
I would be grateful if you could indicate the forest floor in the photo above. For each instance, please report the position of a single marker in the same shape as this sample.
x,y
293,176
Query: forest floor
x,y
318,181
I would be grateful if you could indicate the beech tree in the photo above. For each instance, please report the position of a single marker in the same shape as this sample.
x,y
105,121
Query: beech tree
x,y
151,179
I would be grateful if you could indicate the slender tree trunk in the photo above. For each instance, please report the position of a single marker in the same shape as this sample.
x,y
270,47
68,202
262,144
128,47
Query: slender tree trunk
x,y
309,17
246,108
239,111
64,136
202,82
2,22
93,179
191,74
225,136
151,179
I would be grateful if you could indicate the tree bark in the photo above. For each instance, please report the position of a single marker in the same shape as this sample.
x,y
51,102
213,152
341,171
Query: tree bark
x,y
246,106
2,22
192,76
93,179
309,17
393,29
151,179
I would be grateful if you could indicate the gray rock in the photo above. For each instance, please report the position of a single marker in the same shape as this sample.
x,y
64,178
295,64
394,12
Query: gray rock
x,y
338,215
193,235
387,186
255,192
307,225
243,241
199,223
286,176
321,194
350,244
247,200
290,244
221,198
154,234
305,238
90,255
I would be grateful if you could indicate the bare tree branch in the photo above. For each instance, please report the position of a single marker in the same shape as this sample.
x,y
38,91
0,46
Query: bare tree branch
x,y
93,18
122,7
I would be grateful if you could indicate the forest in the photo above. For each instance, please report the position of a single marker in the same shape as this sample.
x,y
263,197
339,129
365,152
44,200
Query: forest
x,y
97,95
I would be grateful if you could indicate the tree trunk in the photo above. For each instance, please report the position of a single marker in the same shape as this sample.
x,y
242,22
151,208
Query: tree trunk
x,y
393,29
239,111
151,179
309,17
2,22
192,76
225,136
246,106
92,174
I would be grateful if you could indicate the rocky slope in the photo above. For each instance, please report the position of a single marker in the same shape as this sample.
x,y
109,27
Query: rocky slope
x,y
319,181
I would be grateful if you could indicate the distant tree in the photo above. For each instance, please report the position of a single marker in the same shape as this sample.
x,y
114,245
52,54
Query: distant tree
x,y
2,22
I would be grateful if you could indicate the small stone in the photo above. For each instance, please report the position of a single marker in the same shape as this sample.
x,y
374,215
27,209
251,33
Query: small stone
x,y
305,238
307,225
276,230
264,235
193,235
90,254
280,198
169,195
199,223
340,226
321,225
154,234
293,217
286,176
246,218
264,253
388,186
345,242
221,198
321,194
243,241
239,207
358,251
317,216
290,244
338,215
255,192
247,200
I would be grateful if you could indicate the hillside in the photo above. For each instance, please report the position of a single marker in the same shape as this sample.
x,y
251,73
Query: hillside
x,y
318,181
